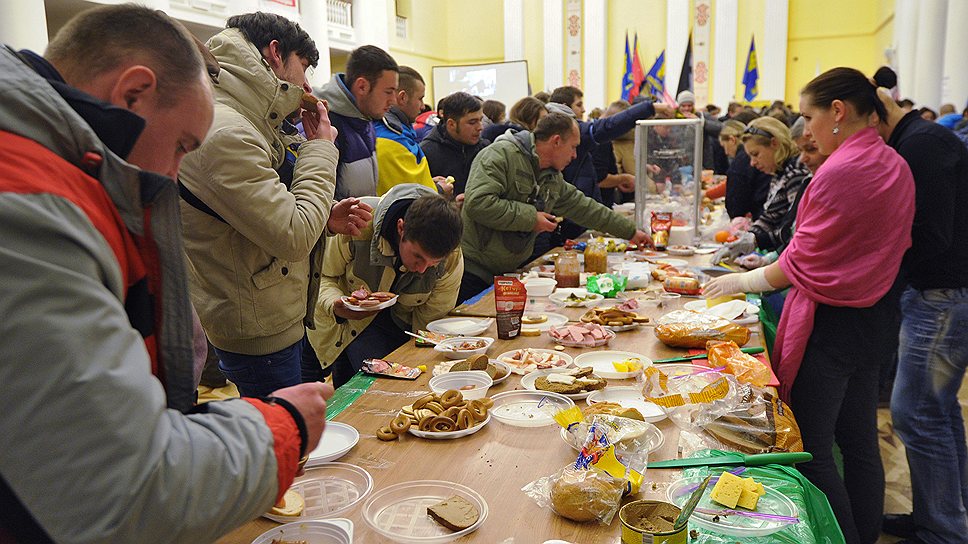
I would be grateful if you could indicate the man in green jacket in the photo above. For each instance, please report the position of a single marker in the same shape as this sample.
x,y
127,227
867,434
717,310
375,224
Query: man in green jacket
x,y
515,190
257,197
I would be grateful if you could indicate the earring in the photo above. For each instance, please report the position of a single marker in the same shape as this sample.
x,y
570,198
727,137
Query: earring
x,y
836,130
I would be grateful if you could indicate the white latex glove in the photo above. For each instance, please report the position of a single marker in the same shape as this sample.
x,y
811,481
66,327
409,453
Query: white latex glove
x,y
751,261
753,281
746,243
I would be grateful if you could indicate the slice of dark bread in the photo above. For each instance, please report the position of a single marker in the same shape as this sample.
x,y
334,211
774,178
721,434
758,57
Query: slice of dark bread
x,y
455,513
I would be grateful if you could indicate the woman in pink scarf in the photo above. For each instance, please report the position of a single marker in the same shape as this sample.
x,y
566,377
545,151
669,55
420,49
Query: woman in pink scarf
x,y
841,317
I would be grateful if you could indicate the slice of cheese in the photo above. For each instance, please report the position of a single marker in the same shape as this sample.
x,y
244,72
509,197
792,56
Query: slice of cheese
x,y
728,490
561,378
752,491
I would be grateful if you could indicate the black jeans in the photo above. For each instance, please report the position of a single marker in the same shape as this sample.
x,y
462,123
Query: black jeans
x,y
470,287
376,341
835,397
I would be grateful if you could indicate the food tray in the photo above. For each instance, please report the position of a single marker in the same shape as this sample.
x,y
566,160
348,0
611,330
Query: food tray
x,y
331,531
446,346
399,512
449,435
561,295
523,408
564,357
628,397
528,380
329,490
773,502
601,362
609,334
654,438
445,366
554,320
337,440
461,326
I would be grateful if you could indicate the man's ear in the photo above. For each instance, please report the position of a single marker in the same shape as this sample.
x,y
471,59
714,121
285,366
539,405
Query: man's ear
x,y
400,228
361,86
135,88
273,55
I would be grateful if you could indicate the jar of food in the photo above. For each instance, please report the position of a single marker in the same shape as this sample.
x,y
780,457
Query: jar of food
x,y
596,257
567,269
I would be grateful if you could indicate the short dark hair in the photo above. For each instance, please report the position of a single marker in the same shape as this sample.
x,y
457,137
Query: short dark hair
x,y
434,223
565,95
408,79
885,77
456,105
261,28
905,103
494,110
543,96
745,116
526,112
100,39
553,124
368,62
848,85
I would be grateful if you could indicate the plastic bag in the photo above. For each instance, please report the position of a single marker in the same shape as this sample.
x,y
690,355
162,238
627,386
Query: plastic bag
x,y
607,285
579,494
685,329
745,367
759,423
692,396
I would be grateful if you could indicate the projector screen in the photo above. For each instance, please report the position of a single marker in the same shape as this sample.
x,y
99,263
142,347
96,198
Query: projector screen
x,y
504,81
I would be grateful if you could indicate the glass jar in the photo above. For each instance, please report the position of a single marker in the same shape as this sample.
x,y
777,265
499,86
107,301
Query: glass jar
x,y
596,257
567,269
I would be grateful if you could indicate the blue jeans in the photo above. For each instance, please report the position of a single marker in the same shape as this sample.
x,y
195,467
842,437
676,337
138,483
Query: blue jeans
x,y
932,357
260,375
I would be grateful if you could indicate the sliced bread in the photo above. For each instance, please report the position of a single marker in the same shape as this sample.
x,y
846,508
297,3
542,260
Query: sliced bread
x,y
455,513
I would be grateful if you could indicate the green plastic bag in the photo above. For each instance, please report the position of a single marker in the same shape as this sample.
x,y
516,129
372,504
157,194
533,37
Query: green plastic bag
x,y
817,522
607,285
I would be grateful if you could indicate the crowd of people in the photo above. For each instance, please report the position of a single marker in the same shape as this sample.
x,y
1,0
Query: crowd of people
x,y
167,202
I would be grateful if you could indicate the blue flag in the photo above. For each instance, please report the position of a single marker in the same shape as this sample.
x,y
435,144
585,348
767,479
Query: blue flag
x,y
627,76
656,77
751,75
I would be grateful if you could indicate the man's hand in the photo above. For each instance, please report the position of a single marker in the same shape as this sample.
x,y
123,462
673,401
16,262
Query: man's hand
x,y
641,239
723,285
445,185
625,182
341,310
316,123
663,111
349,216
310,399
545,223
459,199
751,261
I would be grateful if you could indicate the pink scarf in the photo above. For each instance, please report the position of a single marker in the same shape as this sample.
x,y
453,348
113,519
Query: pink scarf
x,y
853,226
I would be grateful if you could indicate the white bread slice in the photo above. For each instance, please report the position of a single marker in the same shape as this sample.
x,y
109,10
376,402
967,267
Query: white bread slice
x,y
292,504
455,513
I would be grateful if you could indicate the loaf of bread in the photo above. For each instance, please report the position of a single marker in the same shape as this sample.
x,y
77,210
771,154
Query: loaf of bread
x,y
586,495
455,513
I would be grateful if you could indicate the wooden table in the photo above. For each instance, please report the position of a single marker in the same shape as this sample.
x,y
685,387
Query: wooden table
x,y
498,460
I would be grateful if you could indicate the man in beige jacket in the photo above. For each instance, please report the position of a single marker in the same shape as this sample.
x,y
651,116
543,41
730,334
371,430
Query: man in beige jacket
x,y
412,249
257,197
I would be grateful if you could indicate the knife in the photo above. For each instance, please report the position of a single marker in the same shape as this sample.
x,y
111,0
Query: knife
x,y
758,349
754,460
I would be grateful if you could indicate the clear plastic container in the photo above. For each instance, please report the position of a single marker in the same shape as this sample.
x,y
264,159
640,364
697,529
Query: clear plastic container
x,y
524,408
399,512
329,490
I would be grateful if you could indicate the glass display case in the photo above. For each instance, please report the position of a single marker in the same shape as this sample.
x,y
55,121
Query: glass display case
x,y
668,169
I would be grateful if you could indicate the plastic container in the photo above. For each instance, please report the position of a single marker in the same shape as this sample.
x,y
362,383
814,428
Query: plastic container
x,y
329,490
478,381
596,257
633,534
596,343
524,408
337,440
601,363
539,287
331,531
399,512
567,269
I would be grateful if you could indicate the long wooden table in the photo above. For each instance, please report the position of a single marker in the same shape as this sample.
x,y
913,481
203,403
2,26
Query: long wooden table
x,y
498,460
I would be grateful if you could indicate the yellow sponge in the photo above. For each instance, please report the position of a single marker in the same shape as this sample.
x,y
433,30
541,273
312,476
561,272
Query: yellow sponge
x,y
728,490
752,491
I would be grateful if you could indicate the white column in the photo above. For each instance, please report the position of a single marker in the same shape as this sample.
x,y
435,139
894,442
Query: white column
x,y
726,18
771,54
596,26
954,84
314,21
513,30
371,22
677,36
554,52
930,52
23,25
905,35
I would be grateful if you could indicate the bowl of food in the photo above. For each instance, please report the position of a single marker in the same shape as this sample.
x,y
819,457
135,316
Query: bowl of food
x,y
582,335
464,347
539,287
575,297
472,384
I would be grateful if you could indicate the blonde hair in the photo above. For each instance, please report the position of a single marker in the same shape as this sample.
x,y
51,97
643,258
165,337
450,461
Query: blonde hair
x,y
732,128
786,148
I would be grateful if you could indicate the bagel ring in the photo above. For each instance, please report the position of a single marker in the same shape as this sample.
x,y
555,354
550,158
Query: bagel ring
x,y
477,409
422,401
451,397
434,407
451,413
442,425
386,434
488,402
424,424
464,419
400,424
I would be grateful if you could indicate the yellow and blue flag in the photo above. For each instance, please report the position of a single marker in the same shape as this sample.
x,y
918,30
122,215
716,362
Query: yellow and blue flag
x,y
751,74
656,77
627,76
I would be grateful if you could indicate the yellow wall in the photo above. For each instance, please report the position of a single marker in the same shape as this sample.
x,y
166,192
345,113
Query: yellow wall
x,y
534,44
648,18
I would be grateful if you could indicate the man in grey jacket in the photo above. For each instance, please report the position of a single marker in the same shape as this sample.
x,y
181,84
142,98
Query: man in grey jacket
x,y
101,442
362,95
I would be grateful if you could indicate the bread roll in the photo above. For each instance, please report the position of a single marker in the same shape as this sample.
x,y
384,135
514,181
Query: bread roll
x,y
292,504
309,102
586,495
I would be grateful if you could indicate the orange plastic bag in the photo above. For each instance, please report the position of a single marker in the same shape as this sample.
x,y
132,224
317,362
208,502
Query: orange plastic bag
x,y
745,367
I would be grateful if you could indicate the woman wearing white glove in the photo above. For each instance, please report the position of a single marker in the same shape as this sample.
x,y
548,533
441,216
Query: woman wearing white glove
x,y
767,278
